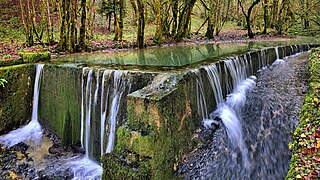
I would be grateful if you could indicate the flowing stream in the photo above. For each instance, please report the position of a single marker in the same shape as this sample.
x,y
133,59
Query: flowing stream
x,y
265,120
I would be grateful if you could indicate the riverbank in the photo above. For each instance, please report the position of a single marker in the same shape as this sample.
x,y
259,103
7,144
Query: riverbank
x,y
305,147
9,51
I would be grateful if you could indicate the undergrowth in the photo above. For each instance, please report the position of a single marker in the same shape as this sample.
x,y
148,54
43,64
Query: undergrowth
x,y
305,147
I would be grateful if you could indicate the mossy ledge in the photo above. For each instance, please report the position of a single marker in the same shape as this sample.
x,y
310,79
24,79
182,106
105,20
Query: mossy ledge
x,y
305,161
27,57
33,57
16,96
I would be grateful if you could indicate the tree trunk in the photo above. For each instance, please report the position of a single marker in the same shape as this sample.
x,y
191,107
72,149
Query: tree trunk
x,y
250,33
82,38
49,23
158,34
26,23
210,29
119,14
174,17
306,17
265,16
63,37
184,20
247,16
73,21
140,24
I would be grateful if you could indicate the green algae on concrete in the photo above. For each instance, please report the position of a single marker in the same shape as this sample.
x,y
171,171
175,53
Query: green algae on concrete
x,y
60,102
11,62
32,57
158,131
16,96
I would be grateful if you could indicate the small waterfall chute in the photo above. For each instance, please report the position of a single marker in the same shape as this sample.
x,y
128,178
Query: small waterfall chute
x,y
238,84
278,60
31,132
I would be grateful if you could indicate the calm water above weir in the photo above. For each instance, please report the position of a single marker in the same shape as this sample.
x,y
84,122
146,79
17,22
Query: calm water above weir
x,y
174,56
268,117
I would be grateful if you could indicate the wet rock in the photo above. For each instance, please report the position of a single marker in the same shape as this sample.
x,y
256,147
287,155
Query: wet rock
x,y
55,149
20,147
206,135
31,174
21,168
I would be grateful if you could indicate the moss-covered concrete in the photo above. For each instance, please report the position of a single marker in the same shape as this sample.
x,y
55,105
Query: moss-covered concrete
x,y
32,57
11,62
158,132
60,102
16,96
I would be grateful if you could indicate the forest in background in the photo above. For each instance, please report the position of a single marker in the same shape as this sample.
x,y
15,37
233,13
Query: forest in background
x,y
76,26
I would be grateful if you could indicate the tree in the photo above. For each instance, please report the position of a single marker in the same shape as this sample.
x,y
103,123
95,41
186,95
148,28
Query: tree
x,y
247,15
82,38
217,16
265,16
184,19
118,16
107,9
138,7
31,11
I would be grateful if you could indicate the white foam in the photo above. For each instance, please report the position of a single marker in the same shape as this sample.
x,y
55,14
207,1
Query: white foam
x,y
84,169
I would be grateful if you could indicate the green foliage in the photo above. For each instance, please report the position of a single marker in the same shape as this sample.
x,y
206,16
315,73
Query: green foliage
x,y
3,82
305,146
6,56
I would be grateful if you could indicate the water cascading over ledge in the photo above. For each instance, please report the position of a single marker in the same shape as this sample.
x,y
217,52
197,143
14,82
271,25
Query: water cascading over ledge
x,y
163,117
155,125
80,101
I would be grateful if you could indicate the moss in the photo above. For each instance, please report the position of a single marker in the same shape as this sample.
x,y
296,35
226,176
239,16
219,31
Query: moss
x,y
306,145
60,102
11,62
159,131
37,56
16,97
116,168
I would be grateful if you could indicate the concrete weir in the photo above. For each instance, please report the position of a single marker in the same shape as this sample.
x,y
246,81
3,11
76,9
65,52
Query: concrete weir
x,y
137,124
164,116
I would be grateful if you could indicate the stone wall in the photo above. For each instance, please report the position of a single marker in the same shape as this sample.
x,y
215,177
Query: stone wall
x,y
16,96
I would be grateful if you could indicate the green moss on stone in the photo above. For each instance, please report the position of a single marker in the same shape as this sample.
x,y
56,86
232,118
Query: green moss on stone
x,y
159,130
11,62
37,56
16,97
60,102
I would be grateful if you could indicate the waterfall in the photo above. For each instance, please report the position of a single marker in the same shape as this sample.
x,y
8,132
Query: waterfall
x,y
119,86
278,60
85,168
111,86
237,83
87,102
103,109
31,131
